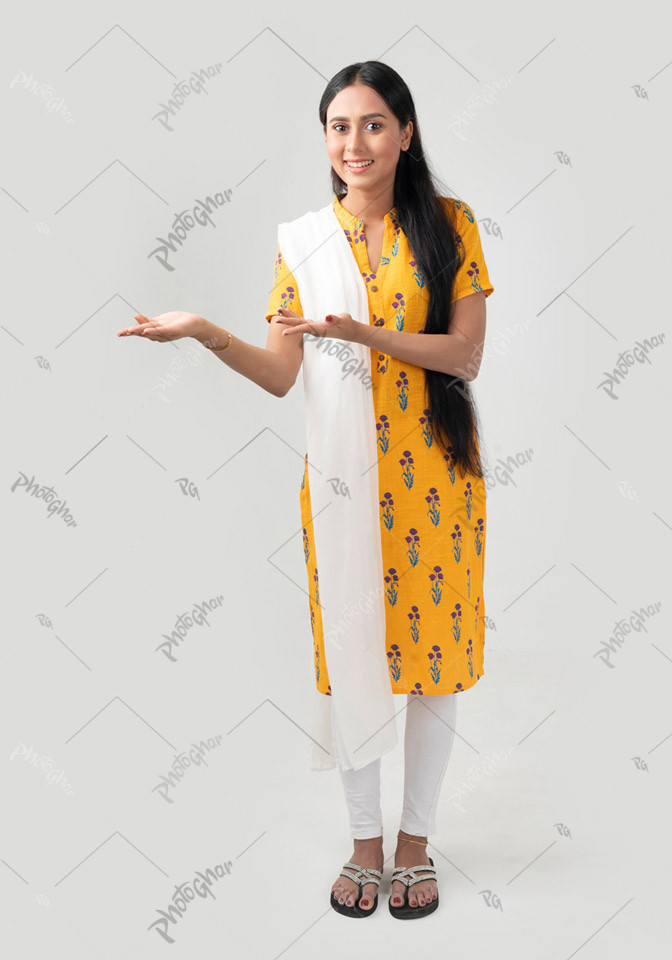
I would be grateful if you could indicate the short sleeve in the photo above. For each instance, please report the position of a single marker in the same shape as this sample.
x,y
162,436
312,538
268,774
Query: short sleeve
x,y
285,292
472,275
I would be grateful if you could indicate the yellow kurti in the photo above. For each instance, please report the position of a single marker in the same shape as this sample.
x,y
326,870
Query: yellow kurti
x,y
432,522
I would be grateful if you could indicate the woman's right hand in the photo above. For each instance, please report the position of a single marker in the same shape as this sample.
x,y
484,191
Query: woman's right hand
x,y
167,326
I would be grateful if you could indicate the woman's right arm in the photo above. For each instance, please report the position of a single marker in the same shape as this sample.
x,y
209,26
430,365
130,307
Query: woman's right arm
x,y
274,367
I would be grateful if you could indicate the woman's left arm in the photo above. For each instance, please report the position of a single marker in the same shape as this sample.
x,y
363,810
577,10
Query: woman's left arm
x,y
457,353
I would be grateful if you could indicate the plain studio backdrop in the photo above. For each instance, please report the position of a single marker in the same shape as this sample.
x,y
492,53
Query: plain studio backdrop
x,y
132,767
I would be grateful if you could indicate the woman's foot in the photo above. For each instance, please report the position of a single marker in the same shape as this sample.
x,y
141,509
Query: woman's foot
x,y
366,853
409,855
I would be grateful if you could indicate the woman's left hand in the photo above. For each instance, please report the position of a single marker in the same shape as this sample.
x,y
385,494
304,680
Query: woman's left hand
x,y
341,326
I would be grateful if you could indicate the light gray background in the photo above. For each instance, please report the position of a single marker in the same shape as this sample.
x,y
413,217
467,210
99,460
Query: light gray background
x,y
554,828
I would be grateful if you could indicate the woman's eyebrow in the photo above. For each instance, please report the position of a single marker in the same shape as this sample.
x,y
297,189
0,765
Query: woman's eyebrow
x,y
365,116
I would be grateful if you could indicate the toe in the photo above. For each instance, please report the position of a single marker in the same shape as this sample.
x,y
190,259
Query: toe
x,y
349,895
397,896
368,896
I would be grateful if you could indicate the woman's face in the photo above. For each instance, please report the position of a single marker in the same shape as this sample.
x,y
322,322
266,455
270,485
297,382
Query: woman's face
x,y
360,126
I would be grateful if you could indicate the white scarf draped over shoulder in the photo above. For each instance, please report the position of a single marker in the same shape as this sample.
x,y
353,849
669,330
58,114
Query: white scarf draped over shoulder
x,y
357,723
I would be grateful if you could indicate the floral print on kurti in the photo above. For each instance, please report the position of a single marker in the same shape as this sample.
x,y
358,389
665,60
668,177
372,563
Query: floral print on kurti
x,y
432,521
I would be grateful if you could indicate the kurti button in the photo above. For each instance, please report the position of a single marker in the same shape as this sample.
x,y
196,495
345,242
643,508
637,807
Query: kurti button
x,y
374,289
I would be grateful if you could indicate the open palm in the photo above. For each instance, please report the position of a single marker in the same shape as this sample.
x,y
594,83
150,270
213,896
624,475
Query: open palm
x,y
166,326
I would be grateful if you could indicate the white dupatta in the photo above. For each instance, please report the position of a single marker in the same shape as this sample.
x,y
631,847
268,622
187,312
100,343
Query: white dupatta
x,y
357,723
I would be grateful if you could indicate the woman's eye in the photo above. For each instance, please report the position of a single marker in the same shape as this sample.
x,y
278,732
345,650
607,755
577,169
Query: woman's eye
x,y
374,122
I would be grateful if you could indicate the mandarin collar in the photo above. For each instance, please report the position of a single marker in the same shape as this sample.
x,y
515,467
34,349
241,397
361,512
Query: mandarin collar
x,y
347,219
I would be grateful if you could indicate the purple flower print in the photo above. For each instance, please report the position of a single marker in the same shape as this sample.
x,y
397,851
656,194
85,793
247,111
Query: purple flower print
x,y
434,501
399,305
425,423
392,580
468,497
436,579
383,429
413,539
470,658
434,658
419,279
287,299
480,533
394,656
402,390
473,273
306,545
456,617
414,617
408,473
387,508
457,542
478,603
316,658
450,464
417,690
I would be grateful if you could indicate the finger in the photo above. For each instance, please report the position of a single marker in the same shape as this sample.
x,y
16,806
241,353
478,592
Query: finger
x,y
130,331
304,328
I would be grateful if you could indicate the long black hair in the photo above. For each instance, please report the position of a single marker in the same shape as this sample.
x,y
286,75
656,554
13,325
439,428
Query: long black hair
x,y
433,240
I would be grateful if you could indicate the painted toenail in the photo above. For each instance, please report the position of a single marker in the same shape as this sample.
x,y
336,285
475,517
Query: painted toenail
x,y
365,903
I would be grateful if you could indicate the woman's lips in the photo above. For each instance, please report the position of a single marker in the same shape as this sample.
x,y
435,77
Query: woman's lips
x,y
358,169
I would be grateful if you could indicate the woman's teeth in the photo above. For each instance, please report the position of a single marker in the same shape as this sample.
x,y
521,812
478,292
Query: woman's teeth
x,y
357,166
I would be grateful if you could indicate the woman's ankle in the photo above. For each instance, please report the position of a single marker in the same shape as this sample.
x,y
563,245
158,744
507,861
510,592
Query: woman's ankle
x,y
403,836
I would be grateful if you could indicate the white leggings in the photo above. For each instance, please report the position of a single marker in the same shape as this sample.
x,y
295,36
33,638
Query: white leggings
x,y
428,740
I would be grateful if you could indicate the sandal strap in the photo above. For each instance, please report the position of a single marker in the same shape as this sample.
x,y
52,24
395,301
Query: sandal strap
x,y
404,874
366,874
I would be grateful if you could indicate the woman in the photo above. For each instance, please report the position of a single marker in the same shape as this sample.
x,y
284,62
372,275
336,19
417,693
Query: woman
x,y
381,295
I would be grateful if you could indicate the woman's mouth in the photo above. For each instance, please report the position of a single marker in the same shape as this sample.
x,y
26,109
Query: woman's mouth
x,y
357,165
